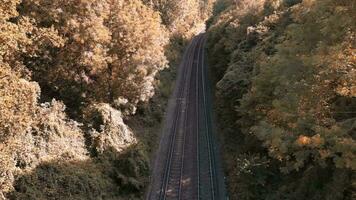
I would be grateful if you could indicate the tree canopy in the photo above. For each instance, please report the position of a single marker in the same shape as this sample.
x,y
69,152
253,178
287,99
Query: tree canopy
x,y
72,72
288,70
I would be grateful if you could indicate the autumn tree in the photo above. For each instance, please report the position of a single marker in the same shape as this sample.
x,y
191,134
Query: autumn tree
x,y
136,52
94,60
181,17
286,93
112,50
19,36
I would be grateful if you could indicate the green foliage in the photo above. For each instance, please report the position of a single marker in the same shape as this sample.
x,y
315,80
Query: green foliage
x,y
286,66
131,169
291,2
114,175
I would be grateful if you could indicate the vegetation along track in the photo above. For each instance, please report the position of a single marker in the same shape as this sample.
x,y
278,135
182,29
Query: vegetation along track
x,y
186,164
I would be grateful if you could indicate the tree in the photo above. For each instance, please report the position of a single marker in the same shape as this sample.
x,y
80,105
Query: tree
x,y
181,17
18,36
285,90
110,46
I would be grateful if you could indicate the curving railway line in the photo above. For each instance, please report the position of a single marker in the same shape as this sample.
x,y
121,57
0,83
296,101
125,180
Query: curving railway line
x,y
186,166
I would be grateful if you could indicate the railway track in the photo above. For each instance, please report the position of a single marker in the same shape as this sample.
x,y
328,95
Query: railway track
x,y
172,181
206,160
185,166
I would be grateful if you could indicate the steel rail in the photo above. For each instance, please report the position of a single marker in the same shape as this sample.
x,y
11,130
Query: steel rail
x,y
199,39
183,87
174,127
185,122
180,76
207,127
198,123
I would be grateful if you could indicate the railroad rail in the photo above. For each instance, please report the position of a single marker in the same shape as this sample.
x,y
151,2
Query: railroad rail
x,y
186,163
172,179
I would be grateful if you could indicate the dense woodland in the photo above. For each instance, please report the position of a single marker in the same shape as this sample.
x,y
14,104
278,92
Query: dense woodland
x,y
285,74
72,75
84,85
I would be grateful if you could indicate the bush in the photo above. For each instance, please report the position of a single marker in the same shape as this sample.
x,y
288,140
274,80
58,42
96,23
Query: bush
x,y
16,93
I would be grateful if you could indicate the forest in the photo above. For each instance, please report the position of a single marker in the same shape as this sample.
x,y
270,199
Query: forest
x,y
83,84
285,75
